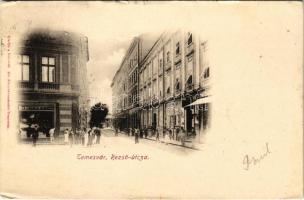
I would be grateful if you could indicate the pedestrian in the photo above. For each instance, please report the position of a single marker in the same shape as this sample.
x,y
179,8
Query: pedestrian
x,y
51,132
76,136
146,132
93,135
157,134
140,132
66,136
136,133
98,134
167,138
71,137
90,137
35,134
86,137
82,133
116,131
182,136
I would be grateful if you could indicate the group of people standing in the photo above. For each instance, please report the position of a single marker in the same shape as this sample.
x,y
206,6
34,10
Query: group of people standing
x,y
136,133
85,137
168,134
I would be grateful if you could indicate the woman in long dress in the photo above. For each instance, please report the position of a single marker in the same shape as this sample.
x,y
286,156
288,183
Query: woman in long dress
x,y
66,136
86,138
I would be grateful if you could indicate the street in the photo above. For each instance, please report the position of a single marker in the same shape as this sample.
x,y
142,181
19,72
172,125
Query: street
x,y
119,168
123,162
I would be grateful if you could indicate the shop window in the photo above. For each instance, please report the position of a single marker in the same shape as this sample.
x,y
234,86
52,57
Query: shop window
x,y
24,61
48,69
206,107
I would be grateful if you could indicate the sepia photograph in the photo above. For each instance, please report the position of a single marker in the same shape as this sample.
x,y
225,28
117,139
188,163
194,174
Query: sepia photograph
x,y
151,100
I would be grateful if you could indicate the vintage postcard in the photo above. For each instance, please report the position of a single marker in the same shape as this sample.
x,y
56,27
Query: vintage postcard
x,y
151,100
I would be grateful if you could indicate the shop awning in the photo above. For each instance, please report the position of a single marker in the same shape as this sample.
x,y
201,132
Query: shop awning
x,y
206,99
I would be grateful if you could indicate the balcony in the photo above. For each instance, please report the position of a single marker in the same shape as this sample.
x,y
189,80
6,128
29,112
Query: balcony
x,y
48,86
25,85
189,49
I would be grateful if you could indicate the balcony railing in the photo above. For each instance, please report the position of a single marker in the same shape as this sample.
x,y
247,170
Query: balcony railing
x,y
26,84
49,86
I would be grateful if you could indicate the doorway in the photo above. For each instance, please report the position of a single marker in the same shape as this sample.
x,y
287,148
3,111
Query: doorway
x,y
154,121
189,118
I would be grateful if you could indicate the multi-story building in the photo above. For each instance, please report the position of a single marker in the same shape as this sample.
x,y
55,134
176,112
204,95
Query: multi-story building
x,y
125,90
53,80
173,84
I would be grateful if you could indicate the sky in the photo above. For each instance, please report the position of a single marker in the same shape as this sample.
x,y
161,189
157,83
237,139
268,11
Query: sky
x,y
110,28
102,66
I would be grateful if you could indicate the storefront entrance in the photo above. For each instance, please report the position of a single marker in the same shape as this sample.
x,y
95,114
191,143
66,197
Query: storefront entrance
x,y
189,119
42,115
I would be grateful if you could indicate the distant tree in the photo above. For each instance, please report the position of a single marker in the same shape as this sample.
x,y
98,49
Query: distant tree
x,y
98,114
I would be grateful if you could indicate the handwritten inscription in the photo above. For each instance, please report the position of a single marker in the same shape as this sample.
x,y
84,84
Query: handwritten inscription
x,y
249,161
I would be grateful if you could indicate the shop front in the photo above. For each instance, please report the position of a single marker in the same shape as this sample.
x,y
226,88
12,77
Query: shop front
x,y
42,114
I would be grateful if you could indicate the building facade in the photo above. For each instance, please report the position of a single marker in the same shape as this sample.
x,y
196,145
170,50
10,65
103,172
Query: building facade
x,y
53,82
125,85
173,85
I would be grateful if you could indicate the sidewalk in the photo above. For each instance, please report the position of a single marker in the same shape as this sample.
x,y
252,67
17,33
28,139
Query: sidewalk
x,y
44,140
188,143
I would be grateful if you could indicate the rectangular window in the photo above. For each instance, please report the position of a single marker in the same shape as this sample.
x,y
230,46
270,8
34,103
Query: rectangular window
x,y
48,69
189,38
154,66
206,73
24,61
189,72
168,83
177,50
160,69
160,86
168,56
189,67
177,79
